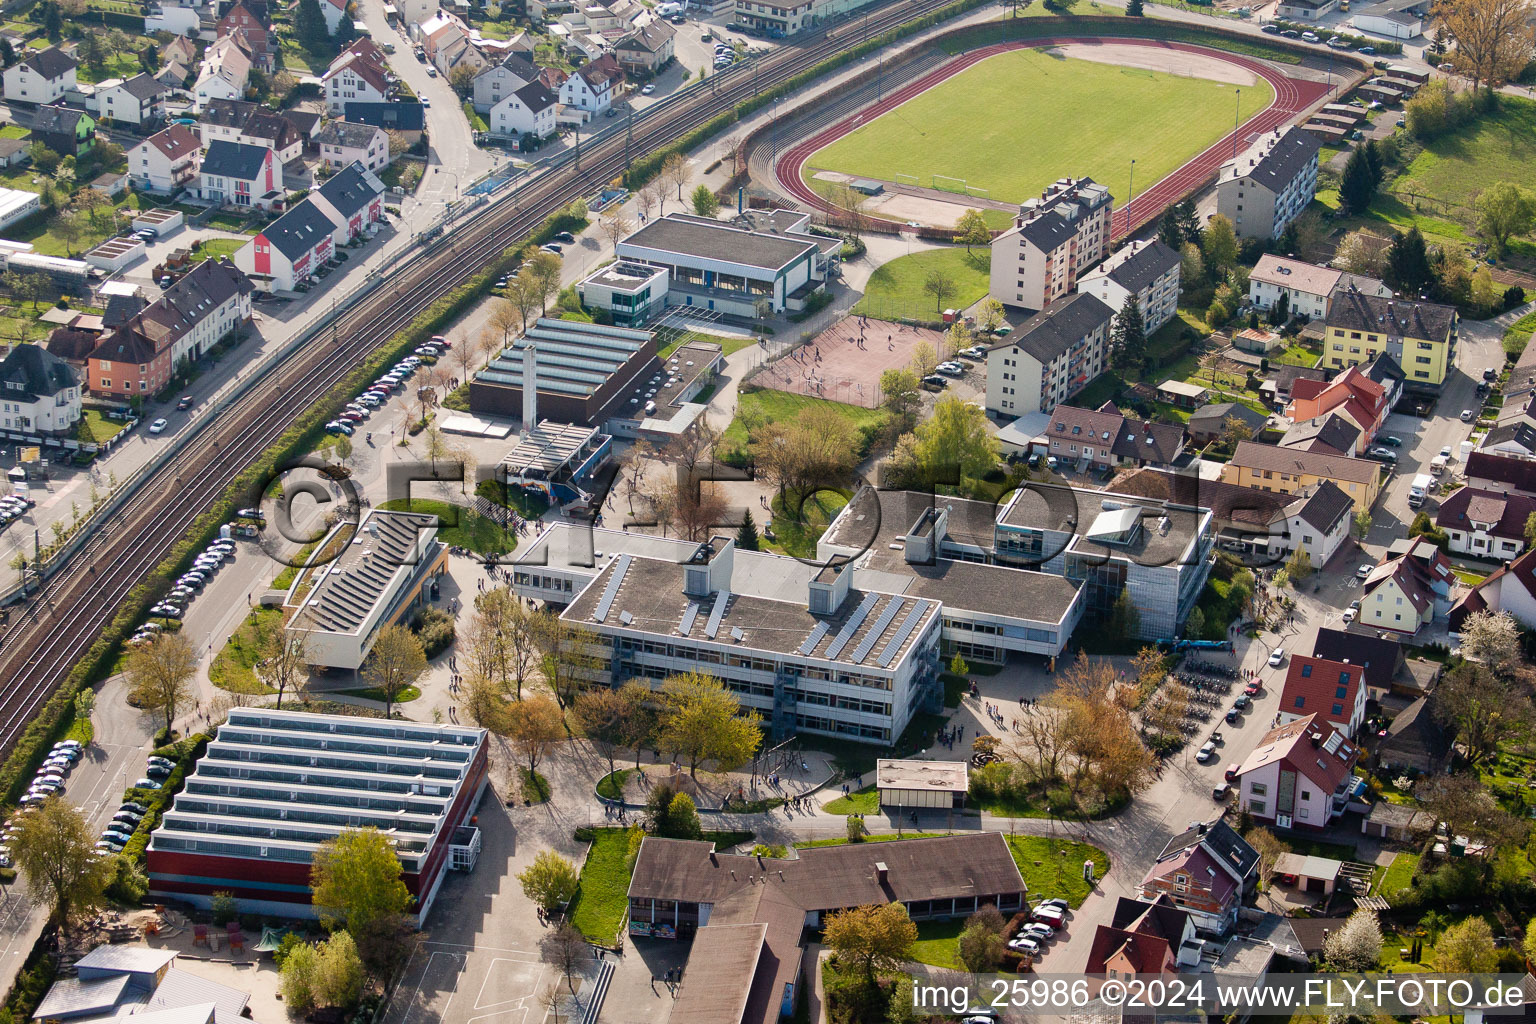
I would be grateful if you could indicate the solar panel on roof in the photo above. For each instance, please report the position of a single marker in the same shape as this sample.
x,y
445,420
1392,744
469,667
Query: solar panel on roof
x,y
716,613
809,644
626,618
690,614
852,625
737,634
611,591
888,653
886,615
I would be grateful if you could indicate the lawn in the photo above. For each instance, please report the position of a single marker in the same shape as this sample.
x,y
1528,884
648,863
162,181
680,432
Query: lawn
x,y
797,529
1399,875
410,693
612,786
233,668
780,406
728,344
895,291
460,526
1452,169
95,427
973,127
1054,867
214,248
938,943
1519,335
602,895
865,801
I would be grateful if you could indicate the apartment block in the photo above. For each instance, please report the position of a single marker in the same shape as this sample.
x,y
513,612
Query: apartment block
x,y
1053,240
1269,184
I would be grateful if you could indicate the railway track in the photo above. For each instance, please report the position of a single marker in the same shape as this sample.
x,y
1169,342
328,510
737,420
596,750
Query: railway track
x,y
78,603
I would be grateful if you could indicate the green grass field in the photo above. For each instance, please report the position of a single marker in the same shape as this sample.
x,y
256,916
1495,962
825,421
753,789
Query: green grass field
x,y
1455,167
974,126
895,291
779,406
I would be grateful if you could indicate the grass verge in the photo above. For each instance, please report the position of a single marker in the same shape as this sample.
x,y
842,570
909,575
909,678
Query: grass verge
x,y
234,667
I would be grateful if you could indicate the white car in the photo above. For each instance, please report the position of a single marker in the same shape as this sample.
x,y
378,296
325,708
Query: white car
x,y
1277,656
158,427
1466,415
1364,572
1206,752
1025,944
647,89
1349,615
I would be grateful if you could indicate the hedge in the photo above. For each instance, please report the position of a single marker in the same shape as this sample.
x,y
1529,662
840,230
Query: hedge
x,y
158,799
55,717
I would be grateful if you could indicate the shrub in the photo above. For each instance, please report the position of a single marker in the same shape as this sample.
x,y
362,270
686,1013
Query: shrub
x,y
434,627
224,907
129,884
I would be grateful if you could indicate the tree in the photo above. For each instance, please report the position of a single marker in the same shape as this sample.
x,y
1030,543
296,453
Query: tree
x,y
1505,210
1097,730
640,719
1189,221
355,880
971,229
394,664
7,53
983,940
339,976
1357,186
501,639
599,714
562,657
875,937
550,881
535,725
1362,524
1484,708
1355,947
924,359
1168,230
958,337
462,79
93,52
53,22
958,665
614,226
91,201
299,973
1135,9
657,194
705,204
1220,245
645,202
54,848
565,949
1529,944
543,271
1492,638
702,721
1530,530
1467,948
1493,38
309,26
1191,266
939,284
69,229
955,440
1268,846
900,395
160,673
675,171
284,661
1408,262
1466,808
1129,341
990,316
746,537
1124,620
523,295
1299,565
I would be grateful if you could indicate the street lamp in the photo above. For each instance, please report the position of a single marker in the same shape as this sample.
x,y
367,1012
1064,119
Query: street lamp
x,y
1131,188
1237,120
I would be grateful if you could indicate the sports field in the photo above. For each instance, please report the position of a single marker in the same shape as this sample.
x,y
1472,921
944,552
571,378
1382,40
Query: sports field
x,y
1016,122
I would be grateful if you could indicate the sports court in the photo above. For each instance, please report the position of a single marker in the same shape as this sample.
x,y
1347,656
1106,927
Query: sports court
x,y
447,983
844,362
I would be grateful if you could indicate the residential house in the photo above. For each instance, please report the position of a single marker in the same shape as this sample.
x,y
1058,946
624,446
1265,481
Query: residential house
x,y
64,130
353,199
1352,395
1384,370
250,19
40,76
498,81
224,73
1288,470
134,359
1209,422
1144,937
359,75
1103,438
139,100
1307,289
166,161
1317,522
15,152
1510,589
1419,336
333,11
647,50
1498,472
234,174
1276,388
1408,590
1245,519
1300,776
1415,740
208,304
1269,184
174,75
305,123
39,392
1050,357
1485,523
1053,239
529,110
1380,658
1332,691
1148,270
73,345
286,252
1204,871
276,133
409,119
225,119
1331,434
460,52
184,19
342,143
593,87
179,50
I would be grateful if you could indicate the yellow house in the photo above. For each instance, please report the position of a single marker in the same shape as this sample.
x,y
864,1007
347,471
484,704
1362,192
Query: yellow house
x,y
1265,467
1421,336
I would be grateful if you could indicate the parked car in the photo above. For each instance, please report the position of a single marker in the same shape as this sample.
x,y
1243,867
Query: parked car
x,y
147,783
647,89
1233,715
1310,37
1383,454
1467,415
1206,752
564,236
933,380
1277,656
1231,773
1025,944
1053,901
1243,702
552,247
130,805
1350,614
158,426
1392,442
252,513
1222,793
1369,51
1273,30
1364,572
1253,688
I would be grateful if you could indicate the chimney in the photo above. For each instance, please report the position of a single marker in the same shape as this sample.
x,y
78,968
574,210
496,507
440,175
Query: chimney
x,y
828,589
712,858
530,385
1316,738
760,862
881,871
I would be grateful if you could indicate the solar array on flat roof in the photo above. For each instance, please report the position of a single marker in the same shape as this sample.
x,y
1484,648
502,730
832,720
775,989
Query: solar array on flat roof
x,y
717,613
810,642
690,615
547,447
886,615
611,591
852,625
888,654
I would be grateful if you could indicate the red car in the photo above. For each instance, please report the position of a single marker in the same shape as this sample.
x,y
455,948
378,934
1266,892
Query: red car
x,y
1231,773
1253,688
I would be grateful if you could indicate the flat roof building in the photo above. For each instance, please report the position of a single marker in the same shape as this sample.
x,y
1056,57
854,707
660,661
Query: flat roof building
x,y
274,785
930,784
556,460
583,371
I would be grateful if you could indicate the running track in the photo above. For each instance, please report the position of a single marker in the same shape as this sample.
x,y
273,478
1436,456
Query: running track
x,y
1293,96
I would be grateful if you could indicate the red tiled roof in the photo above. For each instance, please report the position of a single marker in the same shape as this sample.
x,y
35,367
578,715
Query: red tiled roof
x,y
1196,862
1317,685
1148,953
1507,512
1327,764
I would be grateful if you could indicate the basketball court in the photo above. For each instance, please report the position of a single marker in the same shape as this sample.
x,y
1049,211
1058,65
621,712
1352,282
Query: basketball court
x,y
844,362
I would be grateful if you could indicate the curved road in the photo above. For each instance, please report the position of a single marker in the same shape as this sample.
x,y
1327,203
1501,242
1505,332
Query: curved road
x,y
1292,97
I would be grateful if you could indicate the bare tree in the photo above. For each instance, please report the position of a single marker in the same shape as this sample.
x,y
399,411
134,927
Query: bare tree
x,y
1493,38
285,661
160,675
657,190
675,171
645,202
522,299
614,226
565,949
544,274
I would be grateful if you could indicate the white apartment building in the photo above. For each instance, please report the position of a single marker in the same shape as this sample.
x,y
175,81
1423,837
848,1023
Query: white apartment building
x,y
39,392
1050,357
213,299
1148,270
1269,184
1308,289
1053,240
166,161
42,76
